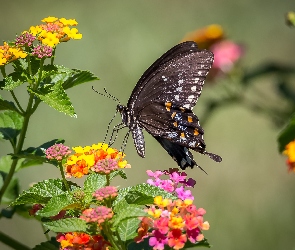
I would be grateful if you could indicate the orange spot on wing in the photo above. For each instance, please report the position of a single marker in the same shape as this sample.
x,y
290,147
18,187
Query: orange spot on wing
x,y
196,132
182,135
168,105
190,119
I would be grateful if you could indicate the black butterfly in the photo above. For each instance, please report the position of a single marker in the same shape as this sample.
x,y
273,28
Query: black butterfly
x,y
162,102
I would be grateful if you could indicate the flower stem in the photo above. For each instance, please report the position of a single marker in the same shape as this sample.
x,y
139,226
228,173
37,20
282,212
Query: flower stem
x,y
63,176
19,146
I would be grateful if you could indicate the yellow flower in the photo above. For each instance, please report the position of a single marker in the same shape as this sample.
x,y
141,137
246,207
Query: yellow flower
x,y
50,39
159,201
49,19
290,151
176,222
72,33
68,22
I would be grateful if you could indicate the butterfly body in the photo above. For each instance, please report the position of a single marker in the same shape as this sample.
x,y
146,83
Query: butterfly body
x,y
162,101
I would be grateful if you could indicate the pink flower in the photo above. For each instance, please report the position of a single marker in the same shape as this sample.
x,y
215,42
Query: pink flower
x,y
57,152
226,53
184,194
176,239
99,214
158,240
42,51
162,225
105,193
105,166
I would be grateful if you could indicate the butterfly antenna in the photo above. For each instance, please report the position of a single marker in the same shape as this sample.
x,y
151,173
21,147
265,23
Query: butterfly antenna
x,y
111,96
107,95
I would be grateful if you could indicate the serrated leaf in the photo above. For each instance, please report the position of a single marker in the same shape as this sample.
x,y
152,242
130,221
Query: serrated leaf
x,y
287,134
56,204
142,194
127,229
67,225
10,124
94,182
129,211
58,100
39,151
144,245
11,192
41,192
14,80
120,173
48,245
6,105
72,77
20,65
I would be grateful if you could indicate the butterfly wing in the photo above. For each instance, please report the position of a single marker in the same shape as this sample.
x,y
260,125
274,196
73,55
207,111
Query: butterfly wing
x,y
162,100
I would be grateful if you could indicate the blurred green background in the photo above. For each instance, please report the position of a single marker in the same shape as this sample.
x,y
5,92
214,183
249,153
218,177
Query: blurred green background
x,y
249,197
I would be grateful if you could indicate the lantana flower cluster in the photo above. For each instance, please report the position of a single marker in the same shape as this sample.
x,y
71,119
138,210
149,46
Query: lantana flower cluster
x,y
78,241
176,182
99,158
290,152
226,52
46,36
172,223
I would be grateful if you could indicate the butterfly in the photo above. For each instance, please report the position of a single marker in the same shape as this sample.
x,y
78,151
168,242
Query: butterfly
x,y
161,103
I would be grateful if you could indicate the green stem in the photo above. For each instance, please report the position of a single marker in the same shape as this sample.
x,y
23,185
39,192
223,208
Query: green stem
x,y
63,176
19,146
21,112
108,180
3,71
12,242
111,239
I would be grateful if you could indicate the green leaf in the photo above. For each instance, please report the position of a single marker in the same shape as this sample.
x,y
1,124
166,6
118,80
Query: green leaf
x,y
6,105
144,245
36,155
67,225
118,172
203,243
142,194
41,192
6,161
10,125
287,134
12,190
58,100
56,204
73,77
94,182
48,245
14,80
129,211
127,229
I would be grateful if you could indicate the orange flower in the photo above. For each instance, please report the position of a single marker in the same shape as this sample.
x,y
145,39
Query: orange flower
x,y
206,36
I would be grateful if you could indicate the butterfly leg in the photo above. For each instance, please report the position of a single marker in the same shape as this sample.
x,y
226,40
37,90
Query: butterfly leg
x,y
105,137
114,134
125,142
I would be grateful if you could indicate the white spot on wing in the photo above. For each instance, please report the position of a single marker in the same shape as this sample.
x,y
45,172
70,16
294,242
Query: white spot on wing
x,y
180,81
194,88
179,89
187,106
177,97
191,98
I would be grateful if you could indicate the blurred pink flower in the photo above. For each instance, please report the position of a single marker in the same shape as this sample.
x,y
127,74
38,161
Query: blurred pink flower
x,y
226,53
